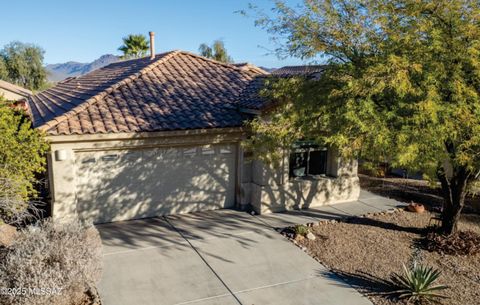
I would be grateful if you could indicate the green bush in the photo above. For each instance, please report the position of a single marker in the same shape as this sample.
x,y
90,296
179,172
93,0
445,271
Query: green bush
x,y
417,283
22,155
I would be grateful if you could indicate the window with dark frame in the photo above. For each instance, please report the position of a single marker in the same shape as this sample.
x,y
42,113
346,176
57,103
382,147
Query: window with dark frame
x,y
307,159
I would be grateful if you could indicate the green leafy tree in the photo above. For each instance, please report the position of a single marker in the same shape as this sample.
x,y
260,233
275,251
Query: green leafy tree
x,y
22,151
134,46
3,69
402,86
217,51
22,64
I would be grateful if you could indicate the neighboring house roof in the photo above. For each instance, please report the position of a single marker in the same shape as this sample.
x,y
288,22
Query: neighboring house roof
x,y
6,86
291,71
177,90
249,66
250,97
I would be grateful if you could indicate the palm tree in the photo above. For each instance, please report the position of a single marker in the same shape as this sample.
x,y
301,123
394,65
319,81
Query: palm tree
x,y
217,51
134,46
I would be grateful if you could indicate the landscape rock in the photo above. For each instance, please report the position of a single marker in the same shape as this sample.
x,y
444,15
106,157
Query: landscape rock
x,y
7,234
299,238
310,236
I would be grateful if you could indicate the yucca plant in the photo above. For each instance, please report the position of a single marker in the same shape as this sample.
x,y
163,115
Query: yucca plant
x,y
417,283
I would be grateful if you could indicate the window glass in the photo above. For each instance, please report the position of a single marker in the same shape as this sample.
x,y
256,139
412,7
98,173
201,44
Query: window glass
x,y
318,162
225,150
298,164
110,157
189,152
208,150
307,159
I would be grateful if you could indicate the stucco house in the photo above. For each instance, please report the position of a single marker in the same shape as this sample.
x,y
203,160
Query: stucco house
x,y
162,135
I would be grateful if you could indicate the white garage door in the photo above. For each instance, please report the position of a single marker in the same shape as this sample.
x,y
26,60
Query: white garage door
x,y
128,184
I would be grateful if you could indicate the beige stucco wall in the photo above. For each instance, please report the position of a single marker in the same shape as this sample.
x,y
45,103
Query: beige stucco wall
x,y
272,190
68,179
265,188
10,96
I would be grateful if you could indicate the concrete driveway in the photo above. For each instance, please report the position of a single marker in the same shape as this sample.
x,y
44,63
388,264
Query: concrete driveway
x,y
212,258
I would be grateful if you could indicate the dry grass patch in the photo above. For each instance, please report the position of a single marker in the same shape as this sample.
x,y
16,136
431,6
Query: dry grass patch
x,y
366,251
62,258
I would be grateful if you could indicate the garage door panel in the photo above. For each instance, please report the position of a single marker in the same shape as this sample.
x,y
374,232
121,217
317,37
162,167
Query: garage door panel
x,y
119,185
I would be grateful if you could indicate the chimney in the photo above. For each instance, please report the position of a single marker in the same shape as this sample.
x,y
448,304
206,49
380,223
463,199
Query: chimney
x,y
152,45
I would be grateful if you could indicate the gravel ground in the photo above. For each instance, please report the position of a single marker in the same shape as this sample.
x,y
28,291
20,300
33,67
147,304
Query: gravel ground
x,y
365,251
408,190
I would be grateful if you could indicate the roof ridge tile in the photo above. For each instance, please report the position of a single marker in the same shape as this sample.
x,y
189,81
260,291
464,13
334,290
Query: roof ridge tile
x,y
228,65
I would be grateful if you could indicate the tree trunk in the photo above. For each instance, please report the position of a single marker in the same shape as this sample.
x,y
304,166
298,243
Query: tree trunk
x,y
450,216
454,190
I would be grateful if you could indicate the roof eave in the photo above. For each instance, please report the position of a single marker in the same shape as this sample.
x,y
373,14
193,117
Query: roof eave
x,y
56,139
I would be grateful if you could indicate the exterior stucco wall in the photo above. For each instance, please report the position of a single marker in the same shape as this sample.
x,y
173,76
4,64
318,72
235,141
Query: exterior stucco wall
x,y
272,190
265,188
10,96
64,175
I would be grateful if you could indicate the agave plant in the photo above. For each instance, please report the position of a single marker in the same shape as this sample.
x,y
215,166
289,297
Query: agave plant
x,y
301,230
417,283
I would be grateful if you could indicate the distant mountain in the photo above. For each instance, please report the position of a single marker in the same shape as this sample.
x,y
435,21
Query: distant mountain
x,y
58,72
269,70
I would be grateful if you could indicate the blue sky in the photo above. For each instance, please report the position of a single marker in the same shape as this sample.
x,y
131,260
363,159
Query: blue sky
x,y
84,30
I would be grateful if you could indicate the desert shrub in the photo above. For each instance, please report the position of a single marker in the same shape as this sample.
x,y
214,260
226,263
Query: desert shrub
x,y
52,255
373,169
417,283
14,209
458,243
301,230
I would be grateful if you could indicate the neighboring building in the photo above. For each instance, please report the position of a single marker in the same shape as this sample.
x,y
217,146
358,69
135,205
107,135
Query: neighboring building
x,y
157,136
13,92
311,71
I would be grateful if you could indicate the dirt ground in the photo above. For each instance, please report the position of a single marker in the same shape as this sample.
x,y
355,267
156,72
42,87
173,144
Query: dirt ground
x,y
365,251
408,190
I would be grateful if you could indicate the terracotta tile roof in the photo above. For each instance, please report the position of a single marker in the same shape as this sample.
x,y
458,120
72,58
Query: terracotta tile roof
x,y
308,71
14,88
250,97
177,90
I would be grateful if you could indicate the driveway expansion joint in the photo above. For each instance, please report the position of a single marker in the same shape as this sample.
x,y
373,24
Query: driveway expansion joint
x,y
204,299
205,261
277,284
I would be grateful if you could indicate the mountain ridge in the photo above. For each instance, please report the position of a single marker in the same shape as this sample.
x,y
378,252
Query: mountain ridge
x,y
61,71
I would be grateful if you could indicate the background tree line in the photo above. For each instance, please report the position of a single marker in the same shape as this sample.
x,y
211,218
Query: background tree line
x,y
137,45
22,64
